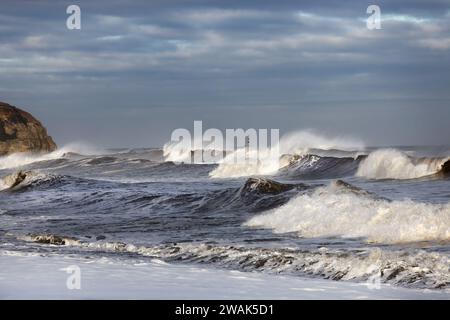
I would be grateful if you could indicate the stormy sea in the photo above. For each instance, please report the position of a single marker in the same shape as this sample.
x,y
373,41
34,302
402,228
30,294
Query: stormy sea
x,y
330,211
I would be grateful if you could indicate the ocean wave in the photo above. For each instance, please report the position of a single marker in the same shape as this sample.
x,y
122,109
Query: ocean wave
x,y
256,194
257,164
307,141
338,211
16,160
394,164
311,166
22,180
380,164
417,268
292,165
267,162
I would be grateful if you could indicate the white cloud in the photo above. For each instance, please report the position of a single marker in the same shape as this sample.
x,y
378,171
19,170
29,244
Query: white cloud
x,y
111,21
330,39
404,18
151,30
35,42
434,43
111,38
213,16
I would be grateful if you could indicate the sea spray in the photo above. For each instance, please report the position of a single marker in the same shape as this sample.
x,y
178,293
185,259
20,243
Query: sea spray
x,y
394,164
21,159
292,144
339,211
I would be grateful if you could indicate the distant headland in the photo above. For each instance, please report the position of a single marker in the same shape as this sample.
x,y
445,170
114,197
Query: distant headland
x,y
21,132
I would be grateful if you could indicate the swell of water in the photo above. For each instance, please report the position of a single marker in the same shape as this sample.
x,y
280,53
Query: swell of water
x,y
21,159
302,142
242,162
293,218
343,212
418,269
394,164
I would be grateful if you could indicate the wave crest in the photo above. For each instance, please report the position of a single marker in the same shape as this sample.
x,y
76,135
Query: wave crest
x,y
21,180
24,158
418,269
305,141
394,164
337,210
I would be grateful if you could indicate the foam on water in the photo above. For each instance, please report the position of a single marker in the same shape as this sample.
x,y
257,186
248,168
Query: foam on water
x,y
335,211
19,179
40,277
21,159
257,164
301,142
394,164
295,143
172,153
175,213
419,269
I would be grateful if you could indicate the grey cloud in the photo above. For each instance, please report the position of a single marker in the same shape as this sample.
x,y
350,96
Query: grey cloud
x,y
196,59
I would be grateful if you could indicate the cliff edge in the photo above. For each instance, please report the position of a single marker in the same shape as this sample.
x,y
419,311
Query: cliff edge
x,y
21,132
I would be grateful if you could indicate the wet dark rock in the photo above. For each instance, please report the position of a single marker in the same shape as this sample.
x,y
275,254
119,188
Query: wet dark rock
x,y
446,168
266,186
16,178
21,132
49,239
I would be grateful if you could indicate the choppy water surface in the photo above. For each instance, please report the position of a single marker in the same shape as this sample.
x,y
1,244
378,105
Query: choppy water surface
x,y
338,214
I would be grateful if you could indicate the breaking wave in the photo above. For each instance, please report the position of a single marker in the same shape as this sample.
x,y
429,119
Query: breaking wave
x,y
311,166
267,162
21,180
21,159
339,211
306,154
418,269
394,164
380,164
291,146
256,194
307,141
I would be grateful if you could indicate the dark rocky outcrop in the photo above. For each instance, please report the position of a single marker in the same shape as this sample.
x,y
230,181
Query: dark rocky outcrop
x,y
25,180
49,239
21,132
265,186
445,169
53,239
16,178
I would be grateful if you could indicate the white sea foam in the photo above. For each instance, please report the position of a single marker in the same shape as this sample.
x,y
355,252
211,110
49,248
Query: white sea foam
x,y
37,277
14,179
298,143
259,163
334,211
418,268
301,142
394,164
171,153
21,159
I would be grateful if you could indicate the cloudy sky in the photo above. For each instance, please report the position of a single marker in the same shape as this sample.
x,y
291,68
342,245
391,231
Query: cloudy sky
x,y
139,69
